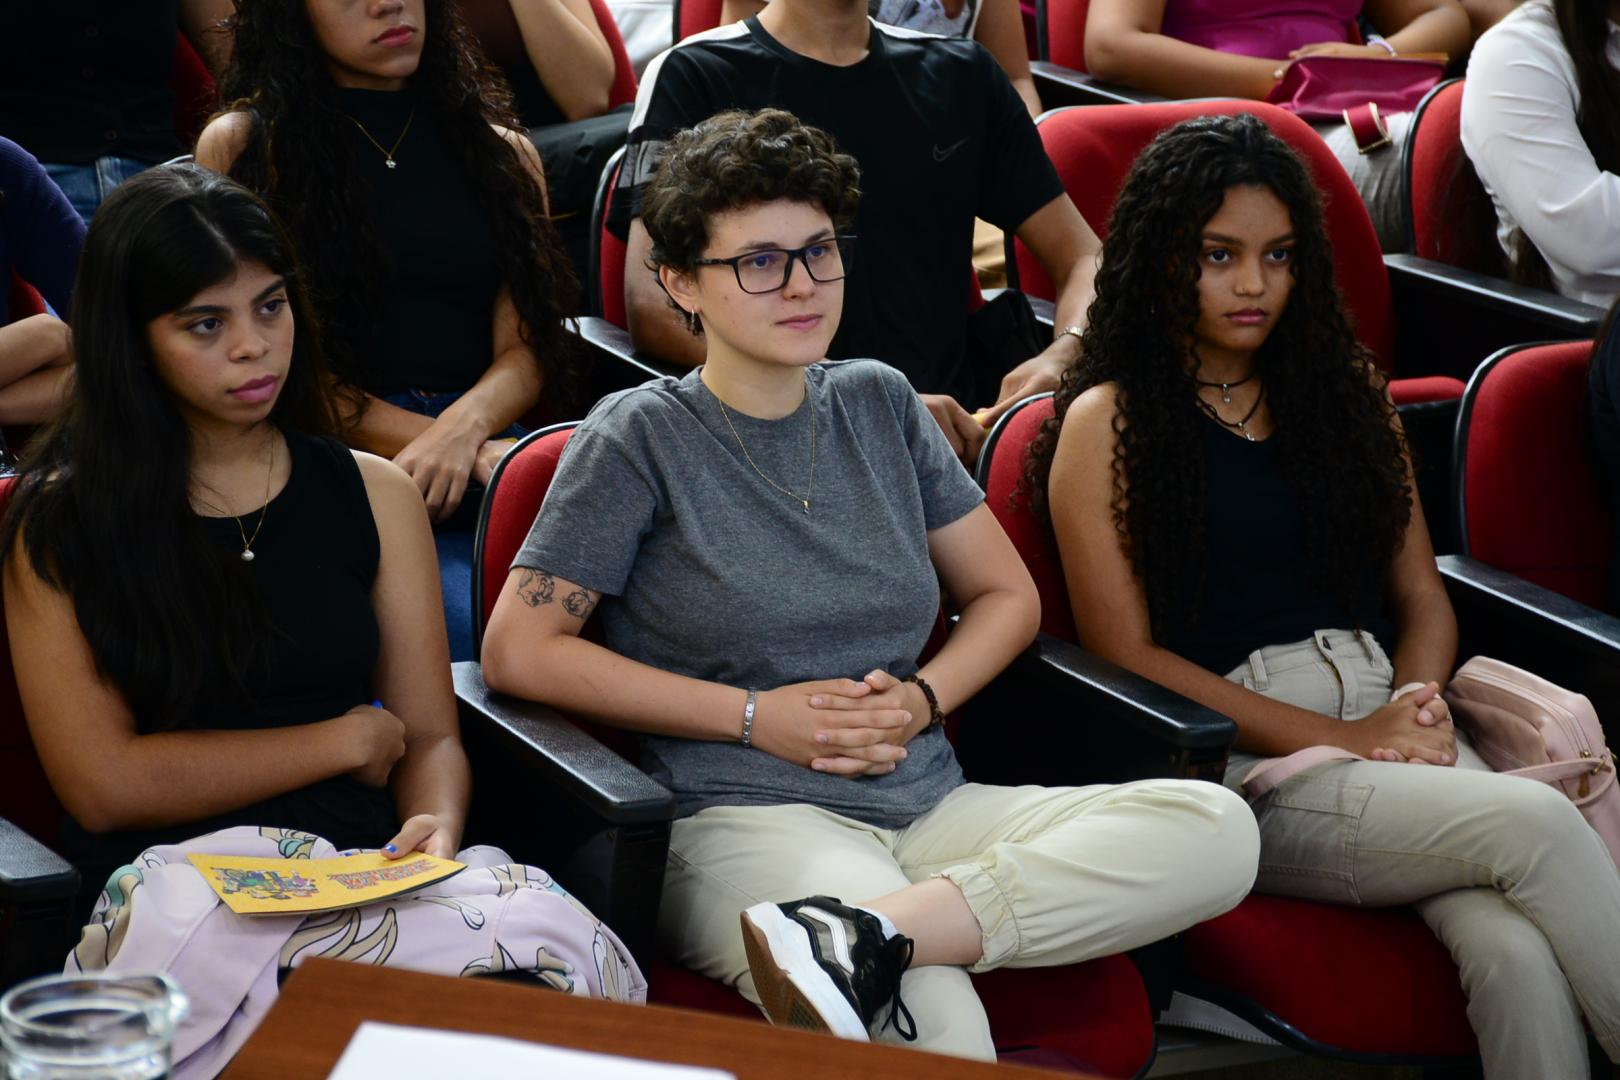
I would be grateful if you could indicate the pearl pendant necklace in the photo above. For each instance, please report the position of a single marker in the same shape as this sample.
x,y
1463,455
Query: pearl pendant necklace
x,y
264,511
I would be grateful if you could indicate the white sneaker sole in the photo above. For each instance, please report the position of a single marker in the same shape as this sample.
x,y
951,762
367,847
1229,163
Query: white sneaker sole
x,y
791,985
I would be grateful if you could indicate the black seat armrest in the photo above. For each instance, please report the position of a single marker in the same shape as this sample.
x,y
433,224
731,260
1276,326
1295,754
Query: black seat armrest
x,y
1059,86
1562,640
1091,720
1450,319
613,361
38,889
551,794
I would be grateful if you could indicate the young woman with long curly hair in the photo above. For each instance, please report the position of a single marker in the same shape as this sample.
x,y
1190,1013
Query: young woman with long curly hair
x,y
1231,496
374,131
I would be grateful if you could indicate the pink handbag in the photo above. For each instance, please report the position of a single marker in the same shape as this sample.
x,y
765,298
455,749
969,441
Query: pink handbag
x,y
1357,89
1523,725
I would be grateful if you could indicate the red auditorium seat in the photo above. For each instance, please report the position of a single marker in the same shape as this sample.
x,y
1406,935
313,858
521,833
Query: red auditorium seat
x,y
1448,212
695,16
195,96
1092,1015
1528,500
623,90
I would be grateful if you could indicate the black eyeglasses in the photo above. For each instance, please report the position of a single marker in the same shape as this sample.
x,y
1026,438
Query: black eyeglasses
x,y
767,270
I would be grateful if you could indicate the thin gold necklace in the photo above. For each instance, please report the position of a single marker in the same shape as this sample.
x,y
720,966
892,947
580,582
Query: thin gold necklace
x,y
810,485
264,511
388,154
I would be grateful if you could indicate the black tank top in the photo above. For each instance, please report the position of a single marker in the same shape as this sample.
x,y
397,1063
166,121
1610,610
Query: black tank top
x,y
314,563
1257,588
434,330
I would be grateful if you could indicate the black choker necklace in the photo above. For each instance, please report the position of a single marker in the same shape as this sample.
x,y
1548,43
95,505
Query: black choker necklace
x,y
1239,426
1226,387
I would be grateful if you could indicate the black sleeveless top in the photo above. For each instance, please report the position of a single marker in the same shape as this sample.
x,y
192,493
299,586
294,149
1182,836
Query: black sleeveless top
x,y
434,329
1257,588
314,563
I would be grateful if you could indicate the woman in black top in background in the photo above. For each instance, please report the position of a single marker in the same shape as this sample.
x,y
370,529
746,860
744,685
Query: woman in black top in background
x,y
418,207
203,597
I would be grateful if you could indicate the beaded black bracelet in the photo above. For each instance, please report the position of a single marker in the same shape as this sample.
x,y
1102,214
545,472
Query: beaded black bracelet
x,y
935,716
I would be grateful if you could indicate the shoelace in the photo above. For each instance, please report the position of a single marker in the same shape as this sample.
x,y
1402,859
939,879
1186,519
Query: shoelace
x,y
896,957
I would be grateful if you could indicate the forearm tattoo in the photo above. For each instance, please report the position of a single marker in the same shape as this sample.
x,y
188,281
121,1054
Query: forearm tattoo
x,y
536,587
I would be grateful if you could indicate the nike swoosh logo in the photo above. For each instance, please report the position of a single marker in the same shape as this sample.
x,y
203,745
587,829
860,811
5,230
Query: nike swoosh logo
x,y
941,155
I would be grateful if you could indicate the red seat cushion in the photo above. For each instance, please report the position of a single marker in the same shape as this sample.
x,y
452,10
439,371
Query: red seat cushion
x,y
1532,502
1008,501
1453,220
1066,32
696,16
1095,1014
610,265
1425,390
1366,980
623,90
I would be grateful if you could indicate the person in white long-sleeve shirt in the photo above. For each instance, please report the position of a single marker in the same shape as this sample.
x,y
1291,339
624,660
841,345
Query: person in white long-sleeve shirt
x,y
1541,124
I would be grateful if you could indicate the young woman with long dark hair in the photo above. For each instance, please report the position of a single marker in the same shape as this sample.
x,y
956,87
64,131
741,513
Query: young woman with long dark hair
x,y
1232,500
766,539
1541,123
418,206
205,597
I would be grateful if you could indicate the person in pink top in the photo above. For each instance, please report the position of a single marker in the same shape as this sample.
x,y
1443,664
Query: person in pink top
x,y
1241,48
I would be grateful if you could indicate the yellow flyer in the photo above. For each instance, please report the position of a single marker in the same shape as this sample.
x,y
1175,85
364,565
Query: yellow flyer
x,y
299,886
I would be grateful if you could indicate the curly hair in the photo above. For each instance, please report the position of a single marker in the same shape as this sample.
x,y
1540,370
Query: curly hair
x,y
299,157
1339,443
738,159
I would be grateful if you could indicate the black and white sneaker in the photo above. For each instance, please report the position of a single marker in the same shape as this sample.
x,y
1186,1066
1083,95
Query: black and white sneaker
x,y
822,965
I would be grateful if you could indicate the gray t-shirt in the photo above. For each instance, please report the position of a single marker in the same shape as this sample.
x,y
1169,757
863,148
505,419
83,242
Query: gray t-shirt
x,y
708,571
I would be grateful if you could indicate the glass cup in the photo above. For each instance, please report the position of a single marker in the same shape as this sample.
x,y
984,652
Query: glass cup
x,y
90,1027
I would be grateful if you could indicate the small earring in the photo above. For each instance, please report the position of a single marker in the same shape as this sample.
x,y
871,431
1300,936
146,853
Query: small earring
x,y
693,324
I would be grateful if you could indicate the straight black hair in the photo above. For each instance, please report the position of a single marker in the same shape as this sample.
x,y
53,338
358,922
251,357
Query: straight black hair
x,y
102,505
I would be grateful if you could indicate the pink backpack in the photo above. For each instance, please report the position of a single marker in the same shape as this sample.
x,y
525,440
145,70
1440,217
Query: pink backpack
x,y
1523,725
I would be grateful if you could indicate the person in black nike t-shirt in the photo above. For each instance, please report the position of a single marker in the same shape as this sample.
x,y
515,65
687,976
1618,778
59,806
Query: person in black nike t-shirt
x,y
941,137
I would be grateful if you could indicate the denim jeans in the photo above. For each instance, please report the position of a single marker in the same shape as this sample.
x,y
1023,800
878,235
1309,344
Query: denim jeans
x,y
453,537
87,186
1504,870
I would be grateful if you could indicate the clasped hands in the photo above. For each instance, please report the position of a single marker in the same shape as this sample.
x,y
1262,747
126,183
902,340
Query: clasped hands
x,y
1416,728
841,726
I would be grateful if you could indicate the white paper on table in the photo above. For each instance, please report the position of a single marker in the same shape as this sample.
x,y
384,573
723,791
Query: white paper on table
x,y
393,1052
